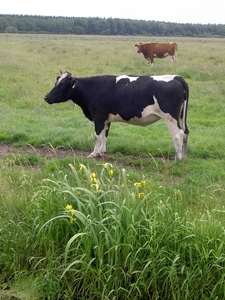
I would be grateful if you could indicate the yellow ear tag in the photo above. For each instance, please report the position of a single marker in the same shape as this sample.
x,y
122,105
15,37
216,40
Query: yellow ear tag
x,y
73,86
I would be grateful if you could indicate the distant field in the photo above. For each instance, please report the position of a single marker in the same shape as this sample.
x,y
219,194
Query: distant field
x,y
30,64
191,190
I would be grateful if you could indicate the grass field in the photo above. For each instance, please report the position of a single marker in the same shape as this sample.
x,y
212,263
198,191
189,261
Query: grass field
x,y
133,225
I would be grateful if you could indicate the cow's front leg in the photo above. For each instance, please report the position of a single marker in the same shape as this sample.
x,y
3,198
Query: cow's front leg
x,y
100,143
99,146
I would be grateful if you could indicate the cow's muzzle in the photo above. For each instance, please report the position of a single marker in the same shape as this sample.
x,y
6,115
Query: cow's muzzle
x,y
46,99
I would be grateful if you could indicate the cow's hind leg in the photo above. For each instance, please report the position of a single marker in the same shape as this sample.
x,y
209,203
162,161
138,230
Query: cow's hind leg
x,y
184,148
172,59
179,138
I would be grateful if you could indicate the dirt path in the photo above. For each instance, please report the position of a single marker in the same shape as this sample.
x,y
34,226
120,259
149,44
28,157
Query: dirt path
x,y
50,153
42,151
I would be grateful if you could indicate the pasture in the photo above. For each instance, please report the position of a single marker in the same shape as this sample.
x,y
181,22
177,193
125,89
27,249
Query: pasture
x,y
134,224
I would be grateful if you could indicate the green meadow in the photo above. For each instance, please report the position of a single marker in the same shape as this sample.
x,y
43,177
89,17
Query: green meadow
x,y
131,225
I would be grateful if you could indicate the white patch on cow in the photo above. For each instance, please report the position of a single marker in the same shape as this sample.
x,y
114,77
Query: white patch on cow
x,y
114,118
149,116
152,114
165,78
164,55
131,78
64,75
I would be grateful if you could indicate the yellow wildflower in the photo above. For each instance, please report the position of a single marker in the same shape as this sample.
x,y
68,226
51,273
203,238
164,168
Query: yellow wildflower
x,y
143,183
140,184
96,186
110,172
69,207
71,212
137,184
93,177
107,165
72,220
141,195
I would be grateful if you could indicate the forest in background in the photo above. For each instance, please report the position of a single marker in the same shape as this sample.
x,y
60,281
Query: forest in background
x,y
103,26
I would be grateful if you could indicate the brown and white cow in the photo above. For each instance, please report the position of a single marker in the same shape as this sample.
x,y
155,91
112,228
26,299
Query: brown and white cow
x,y
157,50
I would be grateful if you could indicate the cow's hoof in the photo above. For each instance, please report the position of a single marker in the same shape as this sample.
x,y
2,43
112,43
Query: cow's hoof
x,y
94,155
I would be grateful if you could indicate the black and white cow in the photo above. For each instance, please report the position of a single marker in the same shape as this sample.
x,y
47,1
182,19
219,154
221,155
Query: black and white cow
x,y
137,100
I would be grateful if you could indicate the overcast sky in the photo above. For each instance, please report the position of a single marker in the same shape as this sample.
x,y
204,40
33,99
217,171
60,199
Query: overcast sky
x,y
191,11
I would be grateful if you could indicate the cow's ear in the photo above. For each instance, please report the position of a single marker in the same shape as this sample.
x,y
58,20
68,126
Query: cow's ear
x,y
73,83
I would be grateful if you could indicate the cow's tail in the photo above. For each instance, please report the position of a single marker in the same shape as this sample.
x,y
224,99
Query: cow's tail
x,y
175,50
183,113
185,106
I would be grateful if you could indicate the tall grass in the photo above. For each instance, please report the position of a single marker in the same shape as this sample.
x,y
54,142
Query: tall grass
x,y
94,233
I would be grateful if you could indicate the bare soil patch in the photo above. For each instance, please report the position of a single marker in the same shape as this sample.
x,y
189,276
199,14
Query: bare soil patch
x,y
16,292
60,152
43,151
51,153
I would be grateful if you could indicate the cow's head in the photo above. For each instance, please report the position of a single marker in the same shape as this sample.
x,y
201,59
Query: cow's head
x,y
139,46
63,89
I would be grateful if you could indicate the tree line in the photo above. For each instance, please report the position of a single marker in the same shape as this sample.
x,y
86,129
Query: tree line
x,y
103,26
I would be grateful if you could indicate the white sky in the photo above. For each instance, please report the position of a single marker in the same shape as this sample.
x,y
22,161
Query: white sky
x,y
178,11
